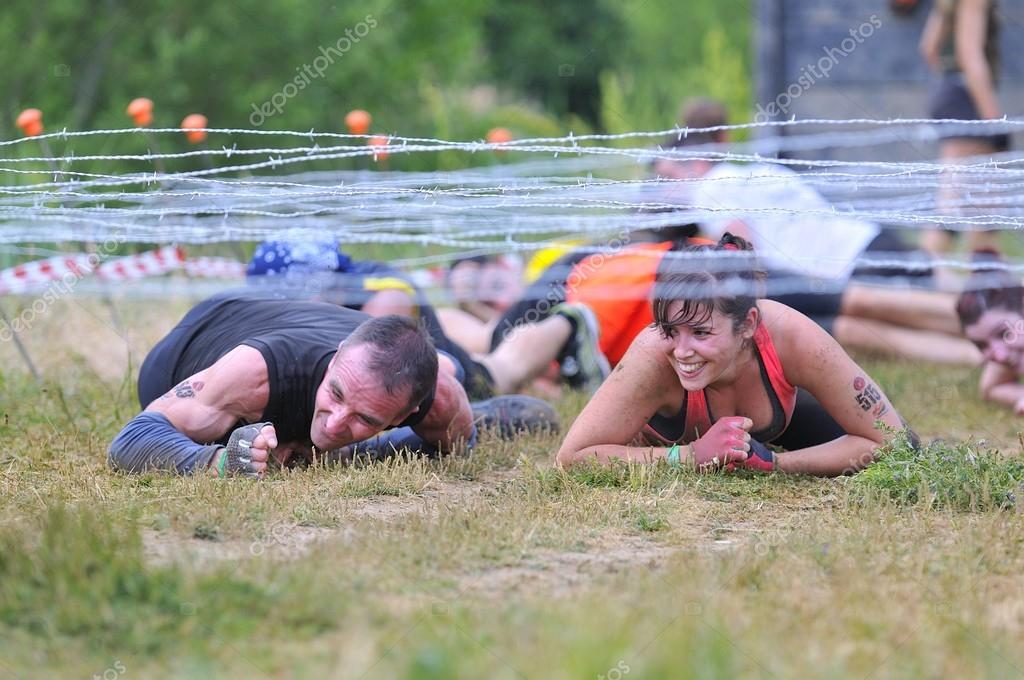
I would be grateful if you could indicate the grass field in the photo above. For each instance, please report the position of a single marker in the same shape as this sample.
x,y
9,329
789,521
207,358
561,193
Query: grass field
x,y
495,565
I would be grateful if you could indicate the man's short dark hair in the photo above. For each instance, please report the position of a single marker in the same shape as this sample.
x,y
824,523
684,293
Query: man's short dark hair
x,y
402,355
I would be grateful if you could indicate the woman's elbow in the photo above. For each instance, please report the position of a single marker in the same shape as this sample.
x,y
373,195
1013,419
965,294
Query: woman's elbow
x,y
987,392
567,456
564,458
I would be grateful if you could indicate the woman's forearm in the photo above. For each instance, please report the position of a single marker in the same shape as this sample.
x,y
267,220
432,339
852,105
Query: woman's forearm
x,y
978,79
845,455
935,29
607,453
1007,394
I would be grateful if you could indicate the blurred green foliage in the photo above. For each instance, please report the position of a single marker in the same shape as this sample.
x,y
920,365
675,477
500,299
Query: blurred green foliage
x,y
445,68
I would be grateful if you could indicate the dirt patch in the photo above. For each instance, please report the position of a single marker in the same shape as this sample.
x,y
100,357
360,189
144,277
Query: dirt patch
x,y
282,542
289,541
560,573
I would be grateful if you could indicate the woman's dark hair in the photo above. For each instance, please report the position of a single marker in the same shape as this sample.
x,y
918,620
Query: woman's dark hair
x,y
988,288
718,276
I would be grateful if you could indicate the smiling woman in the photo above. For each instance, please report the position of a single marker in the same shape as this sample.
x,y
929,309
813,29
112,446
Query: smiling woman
x,y
721,373
991,312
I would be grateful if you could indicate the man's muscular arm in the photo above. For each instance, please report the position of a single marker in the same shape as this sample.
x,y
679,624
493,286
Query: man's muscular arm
x,y
449,422
171,432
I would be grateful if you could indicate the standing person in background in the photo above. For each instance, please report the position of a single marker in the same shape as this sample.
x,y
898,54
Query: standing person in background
x,y
960,43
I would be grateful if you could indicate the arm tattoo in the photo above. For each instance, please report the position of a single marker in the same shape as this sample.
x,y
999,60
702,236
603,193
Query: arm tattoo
x,y
869,398
186,389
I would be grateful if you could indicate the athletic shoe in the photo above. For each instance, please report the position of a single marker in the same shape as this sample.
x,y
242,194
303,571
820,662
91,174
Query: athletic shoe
x,y
583,365
512,414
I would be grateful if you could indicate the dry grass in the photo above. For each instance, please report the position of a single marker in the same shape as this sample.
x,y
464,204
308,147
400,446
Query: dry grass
x,y
493,565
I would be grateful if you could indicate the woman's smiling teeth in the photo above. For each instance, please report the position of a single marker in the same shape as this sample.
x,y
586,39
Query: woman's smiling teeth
x,y
690,368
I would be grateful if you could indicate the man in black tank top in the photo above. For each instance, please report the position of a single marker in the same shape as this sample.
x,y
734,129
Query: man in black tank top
x,y
252,378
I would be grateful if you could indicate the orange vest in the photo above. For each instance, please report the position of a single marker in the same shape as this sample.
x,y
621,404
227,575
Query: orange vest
x,y
617,288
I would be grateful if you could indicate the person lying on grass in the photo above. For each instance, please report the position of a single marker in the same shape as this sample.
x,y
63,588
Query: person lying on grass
x,y
991,311
243,381
721,373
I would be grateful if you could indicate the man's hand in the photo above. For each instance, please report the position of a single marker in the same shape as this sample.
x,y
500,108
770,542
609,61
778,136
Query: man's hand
x,y
248,450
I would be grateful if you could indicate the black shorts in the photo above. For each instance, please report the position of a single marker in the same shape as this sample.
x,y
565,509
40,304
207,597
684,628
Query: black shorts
x,y
820,307
950,99
477,379
890,241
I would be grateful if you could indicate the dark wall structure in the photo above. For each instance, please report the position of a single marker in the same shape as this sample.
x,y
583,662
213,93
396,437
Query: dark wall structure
x,y
857,59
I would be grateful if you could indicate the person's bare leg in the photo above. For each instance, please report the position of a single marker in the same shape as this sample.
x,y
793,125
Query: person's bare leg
x,y
908,307
936,241
387,302
955,152
905,343
465,329
526,352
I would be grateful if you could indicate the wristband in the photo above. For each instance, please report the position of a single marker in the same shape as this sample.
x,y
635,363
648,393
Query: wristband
x,y
222,464
673,456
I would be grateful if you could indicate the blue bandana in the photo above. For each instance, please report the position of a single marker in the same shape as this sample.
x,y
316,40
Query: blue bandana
x,y
278,258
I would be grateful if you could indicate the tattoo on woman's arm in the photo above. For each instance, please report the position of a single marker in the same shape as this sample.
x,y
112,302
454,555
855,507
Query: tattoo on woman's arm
x,y
869,398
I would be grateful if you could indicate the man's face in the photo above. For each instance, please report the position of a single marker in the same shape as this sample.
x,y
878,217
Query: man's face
x,y
351,403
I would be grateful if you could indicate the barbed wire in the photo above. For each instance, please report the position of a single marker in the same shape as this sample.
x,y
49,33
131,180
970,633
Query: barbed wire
x,y
517,206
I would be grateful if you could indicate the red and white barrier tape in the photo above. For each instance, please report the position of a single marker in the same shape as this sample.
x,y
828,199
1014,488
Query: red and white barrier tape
x,y
152,263
33,275
214,268
37,274
40,272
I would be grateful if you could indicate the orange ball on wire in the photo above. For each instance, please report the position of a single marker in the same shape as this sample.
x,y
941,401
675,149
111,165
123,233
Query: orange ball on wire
x,y
192,124
379,140
30,122
141,111
358,121
499,135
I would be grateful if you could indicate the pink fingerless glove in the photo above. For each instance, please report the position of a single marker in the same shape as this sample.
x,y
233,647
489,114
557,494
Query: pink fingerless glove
x,y
724,443
761,458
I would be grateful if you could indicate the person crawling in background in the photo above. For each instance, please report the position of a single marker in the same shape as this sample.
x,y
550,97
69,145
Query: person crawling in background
x,y
991,311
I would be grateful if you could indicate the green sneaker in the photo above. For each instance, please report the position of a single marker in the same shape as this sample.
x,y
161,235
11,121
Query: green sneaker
x,y
583,365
